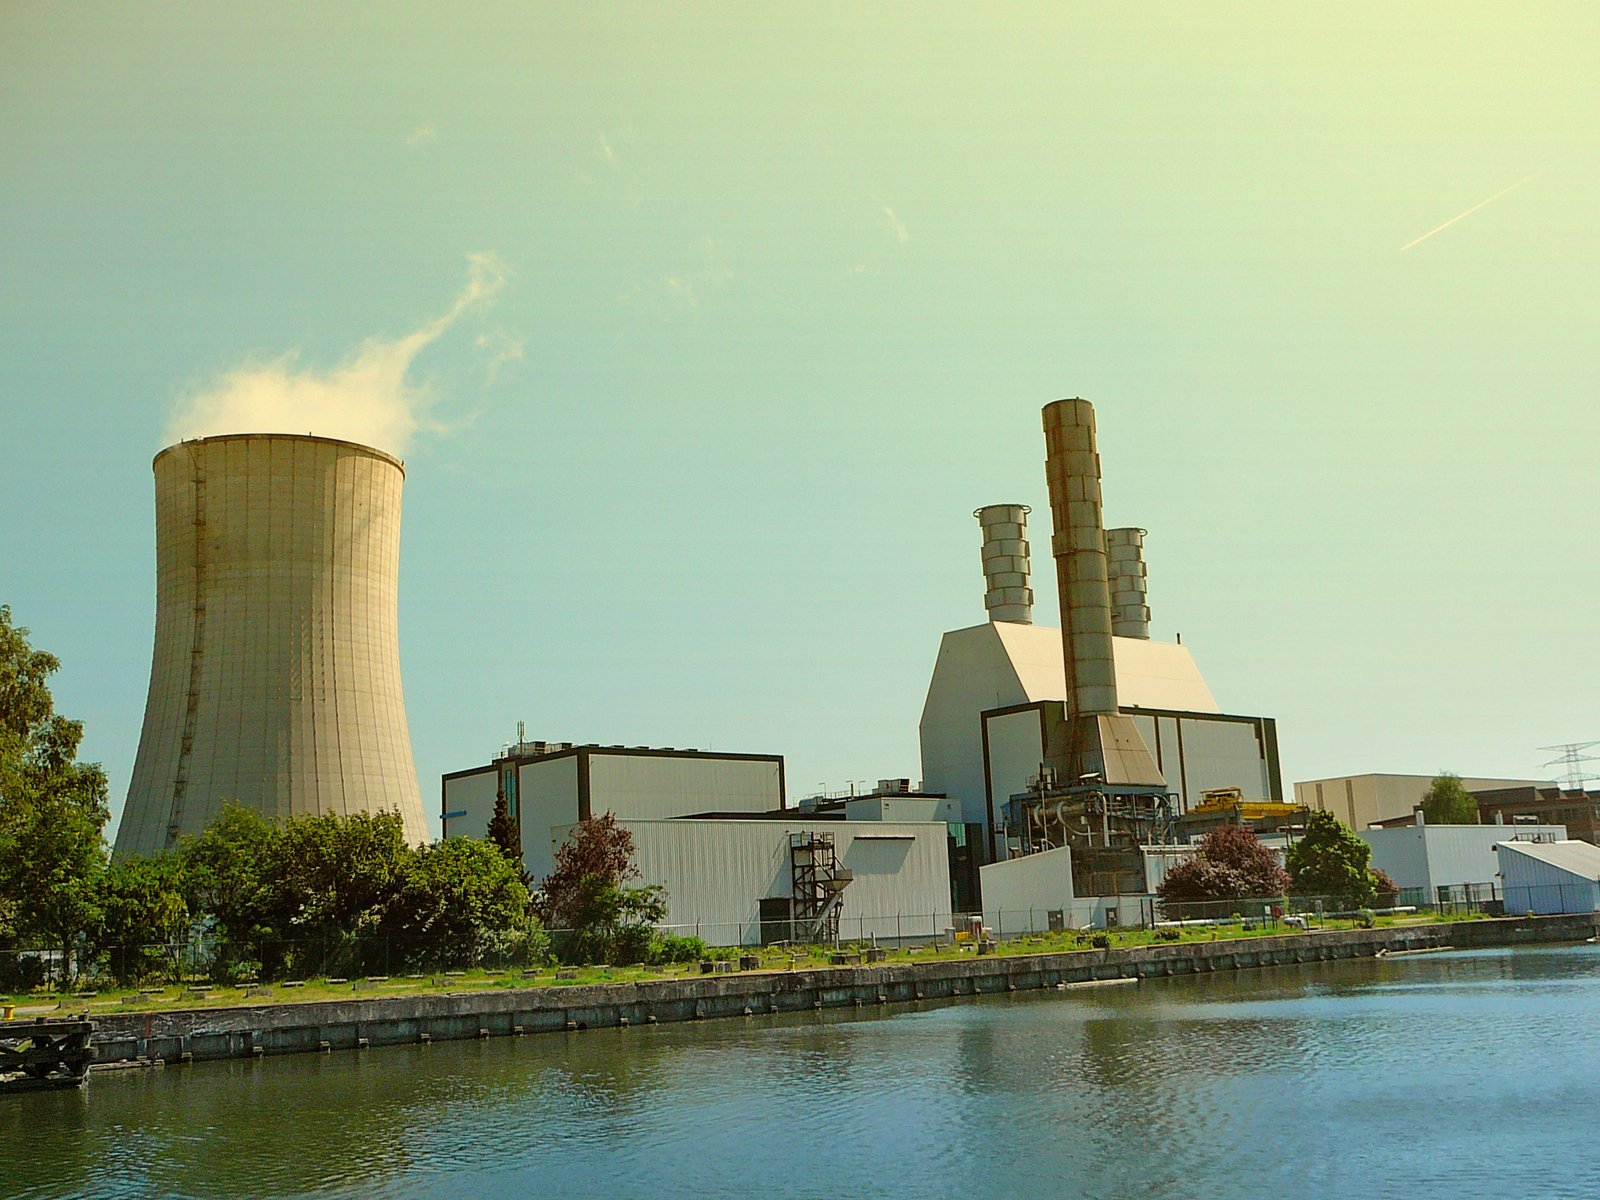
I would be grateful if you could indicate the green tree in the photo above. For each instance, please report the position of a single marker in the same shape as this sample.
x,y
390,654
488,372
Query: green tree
x,y
458,902
1331,861
505,832
1447,802
52,807
143,914
224,876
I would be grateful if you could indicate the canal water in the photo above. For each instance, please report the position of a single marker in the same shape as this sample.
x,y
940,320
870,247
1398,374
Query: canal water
x,y
1450,1075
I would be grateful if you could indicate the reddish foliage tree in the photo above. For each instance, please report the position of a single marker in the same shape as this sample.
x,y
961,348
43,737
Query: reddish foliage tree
x,y
598,855
1388,889
1231,864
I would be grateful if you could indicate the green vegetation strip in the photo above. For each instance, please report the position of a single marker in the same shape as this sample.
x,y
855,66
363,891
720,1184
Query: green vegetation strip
x,y
200,996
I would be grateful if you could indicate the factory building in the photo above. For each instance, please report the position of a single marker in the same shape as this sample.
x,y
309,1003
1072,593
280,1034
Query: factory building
x,y
1545,878
738,865
749,881
1024,726
1549,803
275,677
1363,800
1443,864
549,786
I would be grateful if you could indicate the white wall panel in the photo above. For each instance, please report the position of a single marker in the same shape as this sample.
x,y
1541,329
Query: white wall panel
x,y
717,872
473,797
653,787
549,795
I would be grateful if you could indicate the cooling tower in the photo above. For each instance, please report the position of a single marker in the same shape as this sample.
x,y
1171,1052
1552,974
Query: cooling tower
x,y
275,680
1125,569
1007,596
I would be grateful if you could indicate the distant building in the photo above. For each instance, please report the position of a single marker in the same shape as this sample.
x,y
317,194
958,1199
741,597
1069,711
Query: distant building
x,y
1545,878
1545,803
551,785
1363,800
1448,863
743,881
738,865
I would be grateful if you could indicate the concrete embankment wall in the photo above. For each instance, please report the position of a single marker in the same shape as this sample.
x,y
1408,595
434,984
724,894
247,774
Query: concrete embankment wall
x,y
347,1024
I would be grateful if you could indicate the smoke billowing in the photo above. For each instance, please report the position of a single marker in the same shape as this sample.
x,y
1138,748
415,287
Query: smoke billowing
x,y
365,399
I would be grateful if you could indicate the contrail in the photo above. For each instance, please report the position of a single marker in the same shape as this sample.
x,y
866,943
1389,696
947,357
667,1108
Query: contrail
x,y
1471,210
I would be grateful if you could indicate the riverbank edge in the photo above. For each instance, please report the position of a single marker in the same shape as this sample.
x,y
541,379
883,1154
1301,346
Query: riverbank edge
x,y
157,1038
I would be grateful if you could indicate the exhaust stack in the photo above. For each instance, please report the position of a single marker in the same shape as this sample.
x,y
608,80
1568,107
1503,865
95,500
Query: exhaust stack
x,y
1006,562
1130,608
1094,742
1072,471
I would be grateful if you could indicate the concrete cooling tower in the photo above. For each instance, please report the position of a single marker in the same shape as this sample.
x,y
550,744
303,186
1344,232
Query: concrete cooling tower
x,y
275,680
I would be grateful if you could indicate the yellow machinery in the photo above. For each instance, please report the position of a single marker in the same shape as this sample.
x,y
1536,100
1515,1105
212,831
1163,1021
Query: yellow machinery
x,y
1218,802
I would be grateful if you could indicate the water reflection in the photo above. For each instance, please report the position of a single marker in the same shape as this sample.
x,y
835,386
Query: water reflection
x,y
1416,1077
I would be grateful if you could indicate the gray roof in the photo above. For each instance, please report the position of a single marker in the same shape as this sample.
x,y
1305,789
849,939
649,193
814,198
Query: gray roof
x,y
1580,858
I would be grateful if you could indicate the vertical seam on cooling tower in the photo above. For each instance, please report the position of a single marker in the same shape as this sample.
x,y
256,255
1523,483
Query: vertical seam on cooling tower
x,y
197,637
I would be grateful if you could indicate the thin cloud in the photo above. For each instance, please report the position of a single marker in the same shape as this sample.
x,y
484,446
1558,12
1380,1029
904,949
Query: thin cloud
x,y
606,153
503,347
1473,209
367,398
423,134
897,226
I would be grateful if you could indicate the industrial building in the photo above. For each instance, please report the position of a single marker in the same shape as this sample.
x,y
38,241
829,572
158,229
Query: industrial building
x,y
1549,803
738,865
1362,800
1091,737
275,677
548,786
1545,878
742,882
1051,759
1443,864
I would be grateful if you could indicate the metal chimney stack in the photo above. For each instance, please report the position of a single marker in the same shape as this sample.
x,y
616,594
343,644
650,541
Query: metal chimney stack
x,y
1093,743
1006,562
275,681
1072,471
1130,609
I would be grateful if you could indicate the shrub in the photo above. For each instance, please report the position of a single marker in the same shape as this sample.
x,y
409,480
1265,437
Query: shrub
x,y
1168,935
669,948
1101,941
1366,918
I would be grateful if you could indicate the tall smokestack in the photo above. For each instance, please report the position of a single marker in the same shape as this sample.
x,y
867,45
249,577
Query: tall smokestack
x,y
1006,562
275,681
1072,471
1130,610
1094,742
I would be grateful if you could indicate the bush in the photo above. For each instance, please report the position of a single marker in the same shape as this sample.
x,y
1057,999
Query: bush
x,y
1168,935
1101,941
668,948
1366,918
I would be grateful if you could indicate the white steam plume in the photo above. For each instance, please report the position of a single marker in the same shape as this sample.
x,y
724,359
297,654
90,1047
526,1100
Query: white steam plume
x,y
365,399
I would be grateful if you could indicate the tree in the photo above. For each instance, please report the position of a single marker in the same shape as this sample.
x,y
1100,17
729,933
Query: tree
x,y
1230,864
460,900
52,807
592,916
223,875
1447,802
142,912
505,832
1388,891
1331,861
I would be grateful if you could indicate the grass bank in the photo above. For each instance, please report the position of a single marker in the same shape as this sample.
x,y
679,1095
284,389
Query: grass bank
x,y
198,995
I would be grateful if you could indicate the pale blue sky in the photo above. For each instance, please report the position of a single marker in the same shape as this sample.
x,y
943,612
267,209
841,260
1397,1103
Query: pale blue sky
x,y
790,287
